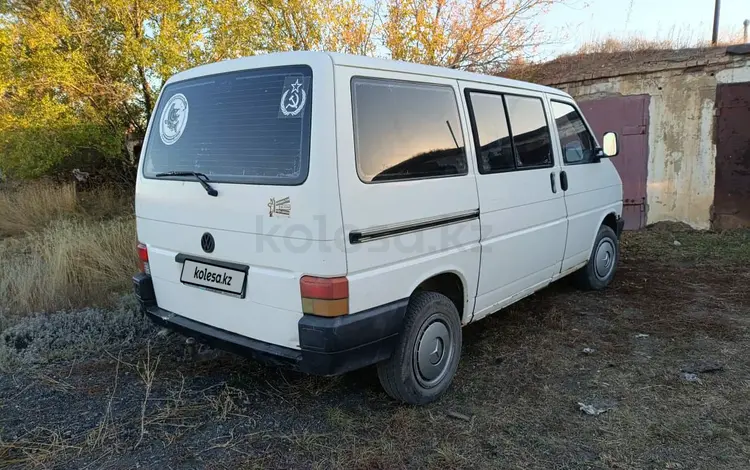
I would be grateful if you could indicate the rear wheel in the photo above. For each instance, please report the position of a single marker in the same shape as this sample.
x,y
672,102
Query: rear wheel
x,y
600,270
426,358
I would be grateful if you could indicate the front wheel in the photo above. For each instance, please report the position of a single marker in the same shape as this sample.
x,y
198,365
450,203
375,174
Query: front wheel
x,y
426,358
600,270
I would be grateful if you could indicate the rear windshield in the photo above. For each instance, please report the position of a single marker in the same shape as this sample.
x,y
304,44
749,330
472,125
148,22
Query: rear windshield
x,y
251,126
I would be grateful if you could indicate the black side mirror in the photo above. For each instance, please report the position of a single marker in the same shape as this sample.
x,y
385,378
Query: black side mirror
x,y
610,145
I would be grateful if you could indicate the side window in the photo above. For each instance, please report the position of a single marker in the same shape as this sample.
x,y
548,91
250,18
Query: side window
x,y
494,149
576,141
406,131
528,125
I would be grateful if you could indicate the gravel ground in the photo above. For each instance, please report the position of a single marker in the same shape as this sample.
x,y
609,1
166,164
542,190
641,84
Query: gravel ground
x,y
662,359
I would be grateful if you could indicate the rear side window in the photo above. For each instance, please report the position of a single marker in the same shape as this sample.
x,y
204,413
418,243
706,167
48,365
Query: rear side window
x,y
495,151
531,137
406,131
510,132
251,126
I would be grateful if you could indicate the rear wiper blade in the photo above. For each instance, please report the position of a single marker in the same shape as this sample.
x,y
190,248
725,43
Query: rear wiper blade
x,y
201,177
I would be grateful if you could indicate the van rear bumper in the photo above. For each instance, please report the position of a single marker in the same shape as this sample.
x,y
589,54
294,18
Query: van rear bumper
x,y
328,346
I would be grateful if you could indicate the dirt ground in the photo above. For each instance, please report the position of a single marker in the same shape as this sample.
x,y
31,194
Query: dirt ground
x,y
668,358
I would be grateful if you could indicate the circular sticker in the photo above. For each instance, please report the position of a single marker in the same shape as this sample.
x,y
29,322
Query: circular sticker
x,y
173,119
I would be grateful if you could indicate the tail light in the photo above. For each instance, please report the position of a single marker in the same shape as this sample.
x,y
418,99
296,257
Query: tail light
x,y
324,296
143,258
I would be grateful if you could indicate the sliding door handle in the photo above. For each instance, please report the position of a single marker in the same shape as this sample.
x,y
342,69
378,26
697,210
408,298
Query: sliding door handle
x,y
564,181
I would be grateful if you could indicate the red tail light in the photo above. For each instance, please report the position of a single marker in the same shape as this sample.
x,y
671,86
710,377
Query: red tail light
x,y
326,297
143,258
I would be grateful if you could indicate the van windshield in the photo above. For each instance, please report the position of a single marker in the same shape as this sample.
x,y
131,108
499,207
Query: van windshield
x,y
251,126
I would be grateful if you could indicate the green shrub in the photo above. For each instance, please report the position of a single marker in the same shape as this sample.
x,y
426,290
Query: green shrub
x,y
45,137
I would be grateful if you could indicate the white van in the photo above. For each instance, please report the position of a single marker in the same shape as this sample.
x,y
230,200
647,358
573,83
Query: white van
x,y
331,212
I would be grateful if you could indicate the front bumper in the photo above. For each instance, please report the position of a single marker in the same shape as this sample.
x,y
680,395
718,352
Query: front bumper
x,y
328,346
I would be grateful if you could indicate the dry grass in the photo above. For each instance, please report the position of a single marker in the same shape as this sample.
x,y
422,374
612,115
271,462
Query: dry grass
x,y
61,248
607,55
718,249
639,43
32,206
68,264
147,372
29,207
673,38
98,438
105,203
36,448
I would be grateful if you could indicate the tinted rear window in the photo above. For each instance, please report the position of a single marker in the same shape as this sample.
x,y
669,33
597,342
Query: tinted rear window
x,y
251,126
495,150
528,124
406,131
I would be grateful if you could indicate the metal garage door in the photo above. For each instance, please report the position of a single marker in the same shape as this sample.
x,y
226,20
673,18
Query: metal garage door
x,y
628,116
732,189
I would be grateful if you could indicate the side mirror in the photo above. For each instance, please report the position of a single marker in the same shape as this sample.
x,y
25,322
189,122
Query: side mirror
x,y
610,145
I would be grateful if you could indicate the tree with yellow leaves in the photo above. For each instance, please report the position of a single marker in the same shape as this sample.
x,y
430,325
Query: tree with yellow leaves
x,y
474,35
76,75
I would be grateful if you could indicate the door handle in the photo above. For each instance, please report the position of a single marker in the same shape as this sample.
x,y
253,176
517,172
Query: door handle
x,y
564,181
552,182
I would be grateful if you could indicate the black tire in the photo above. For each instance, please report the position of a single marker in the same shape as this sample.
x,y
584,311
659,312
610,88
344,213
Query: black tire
x,y
401,375
593,277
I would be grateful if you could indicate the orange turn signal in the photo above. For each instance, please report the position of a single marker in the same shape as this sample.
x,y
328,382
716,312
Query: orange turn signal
x,y
324,296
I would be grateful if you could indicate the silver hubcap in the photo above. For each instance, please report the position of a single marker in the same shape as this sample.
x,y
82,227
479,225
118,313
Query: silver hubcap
x,y
433,352
605,259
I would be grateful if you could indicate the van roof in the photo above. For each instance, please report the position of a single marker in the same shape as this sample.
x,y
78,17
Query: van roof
x,y
349,60
431,70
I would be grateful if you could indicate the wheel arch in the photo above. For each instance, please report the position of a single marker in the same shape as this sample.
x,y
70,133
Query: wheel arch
x,y
609,218
451,283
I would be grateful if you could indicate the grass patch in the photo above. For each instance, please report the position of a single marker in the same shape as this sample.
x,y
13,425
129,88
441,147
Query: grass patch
x,y
676,244
32,206
35,448
105,202
62,248
675,39
69,264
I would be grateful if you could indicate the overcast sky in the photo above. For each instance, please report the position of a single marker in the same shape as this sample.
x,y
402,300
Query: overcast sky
x,y
586,20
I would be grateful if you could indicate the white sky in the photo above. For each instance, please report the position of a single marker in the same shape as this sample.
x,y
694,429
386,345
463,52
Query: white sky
x,y
581,21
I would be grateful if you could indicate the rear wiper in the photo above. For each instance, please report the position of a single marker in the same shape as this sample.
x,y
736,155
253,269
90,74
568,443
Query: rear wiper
x,y
201,177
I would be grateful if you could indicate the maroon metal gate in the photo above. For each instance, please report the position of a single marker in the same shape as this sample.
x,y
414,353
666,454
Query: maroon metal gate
x,y
628,116
732,188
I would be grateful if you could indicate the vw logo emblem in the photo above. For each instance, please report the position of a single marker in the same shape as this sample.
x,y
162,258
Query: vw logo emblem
x,y
207,242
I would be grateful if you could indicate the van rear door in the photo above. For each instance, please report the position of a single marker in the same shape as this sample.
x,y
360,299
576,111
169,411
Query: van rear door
x,y
256,131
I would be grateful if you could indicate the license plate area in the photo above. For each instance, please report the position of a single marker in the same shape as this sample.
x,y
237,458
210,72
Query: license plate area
x,y
214,276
